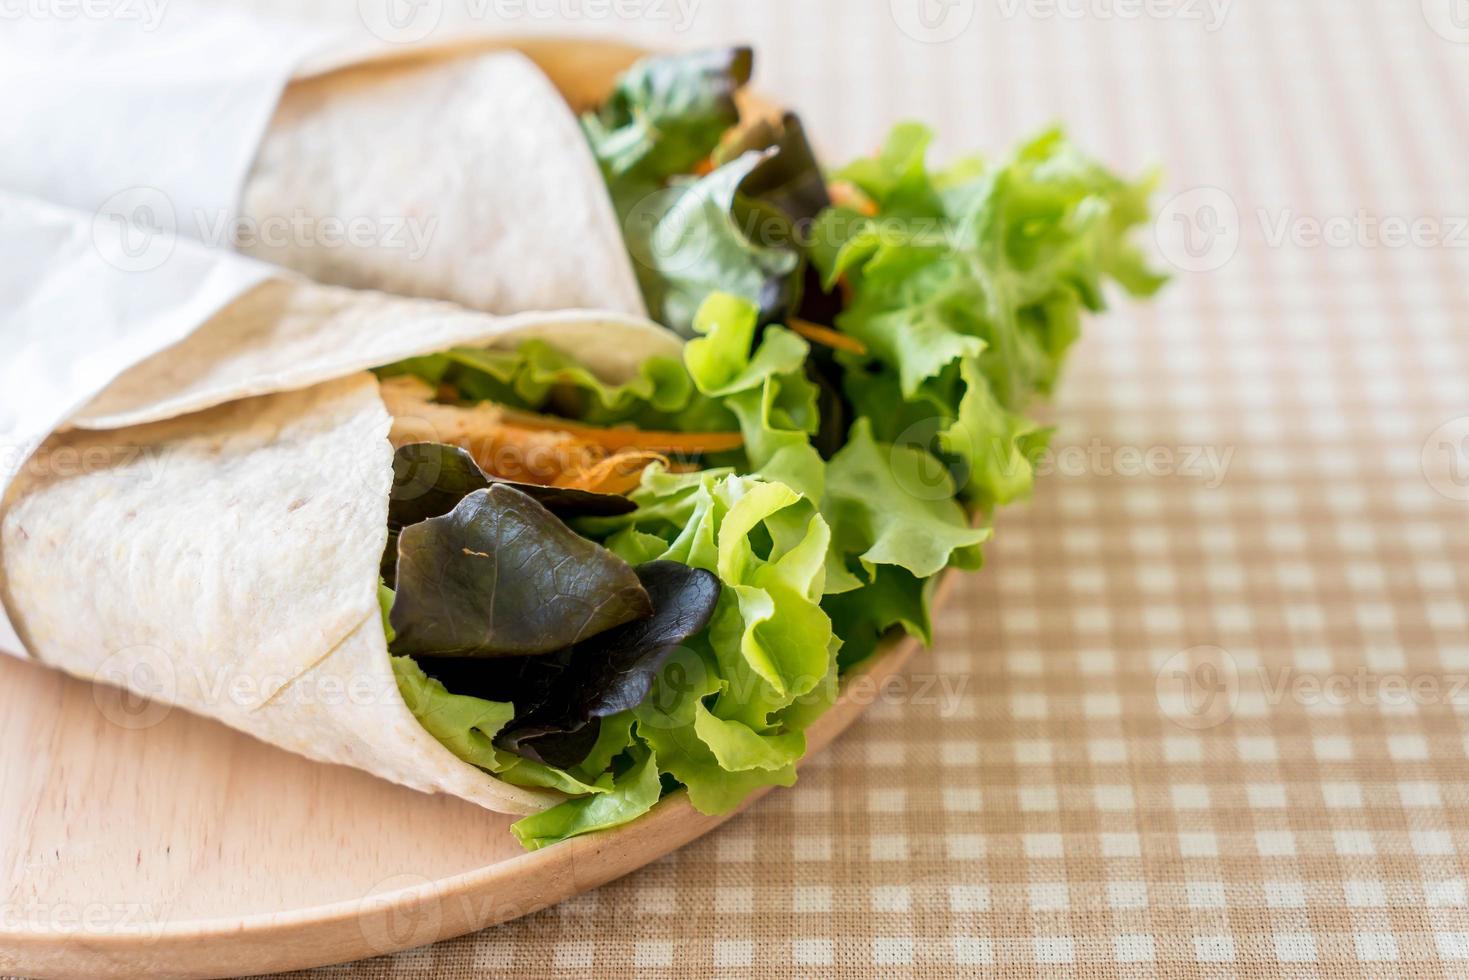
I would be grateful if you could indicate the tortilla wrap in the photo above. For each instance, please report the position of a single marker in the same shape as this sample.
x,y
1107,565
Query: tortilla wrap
x,y
228,558
468,172
507,212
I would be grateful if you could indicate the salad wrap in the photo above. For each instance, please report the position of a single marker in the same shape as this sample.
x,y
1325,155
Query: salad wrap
x,y
585,559
226,504
464,162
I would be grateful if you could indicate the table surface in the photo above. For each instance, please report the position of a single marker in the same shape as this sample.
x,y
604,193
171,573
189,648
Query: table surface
x,y
1203,713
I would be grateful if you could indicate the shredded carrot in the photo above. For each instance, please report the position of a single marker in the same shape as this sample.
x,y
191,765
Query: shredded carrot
x,y
620,438
846,195
826,336
704,167
540,449
620,473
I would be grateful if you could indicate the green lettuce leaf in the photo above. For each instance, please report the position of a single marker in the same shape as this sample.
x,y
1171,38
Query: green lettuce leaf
x,y
465,725
687,242
894,505
715,715
967,288
733,229
630,795
764,387
541,378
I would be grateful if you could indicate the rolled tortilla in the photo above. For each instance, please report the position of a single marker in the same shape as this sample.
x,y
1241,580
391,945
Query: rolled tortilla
x,y
213,540
466,172
287,334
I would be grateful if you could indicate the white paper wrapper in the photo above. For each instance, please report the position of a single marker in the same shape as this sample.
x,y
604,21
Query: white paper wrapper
x,y
140,114
83,299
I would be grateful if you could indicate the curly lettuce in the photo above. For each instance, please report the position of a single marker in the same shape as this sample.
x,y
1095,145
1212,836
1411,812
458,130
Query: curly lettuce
x,y
967,287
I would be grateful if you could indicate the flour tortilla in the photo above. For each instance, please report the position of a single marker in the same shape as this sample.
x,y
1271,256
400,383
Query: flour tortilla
x,y
466,171
289,334
209,533
466,165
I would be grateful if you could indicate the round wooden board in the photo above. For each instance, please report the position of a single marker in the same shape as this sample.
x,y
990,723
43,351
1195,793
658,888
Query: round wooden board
x,y
185,849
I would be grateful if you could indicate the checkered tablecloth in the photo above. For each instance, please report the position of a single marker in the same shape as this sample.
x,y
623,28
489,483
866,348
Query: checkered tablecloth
x,y
1203,714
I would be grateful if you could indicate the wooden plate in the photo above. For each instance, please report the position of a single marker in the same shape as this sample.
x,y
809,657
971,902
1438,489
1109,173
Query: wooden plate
x,y
172,846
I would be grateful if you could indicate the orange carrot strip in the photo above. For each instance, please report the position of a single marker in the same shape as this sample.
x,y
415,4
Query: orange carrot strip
x,y
619,438
846,195
826,336
620,473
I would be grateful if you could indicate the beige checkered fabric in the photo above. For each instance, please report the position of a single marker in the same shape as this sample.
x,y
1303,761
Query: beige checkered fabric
x,y
1203,715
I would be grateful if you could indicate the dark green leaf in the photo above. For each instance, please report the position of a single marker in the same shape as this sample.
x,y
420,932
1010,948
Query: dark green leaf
x,y
790,181
430,478
667,113
559,697
500,575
